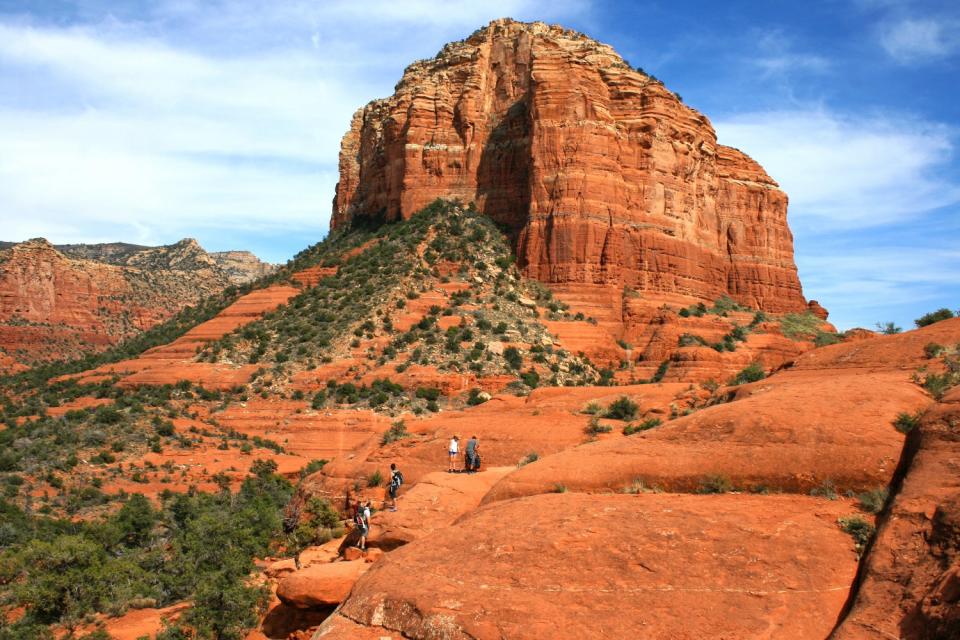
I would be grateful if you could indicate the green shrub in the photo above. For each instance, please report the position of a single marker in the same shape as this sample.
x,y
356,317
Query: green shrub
x,y
475,397
661,371
375,479
751,373
907,422
873,501
533,456
800,326
888,328
397,431
428,393
319,399
827,489
593,408
932,350
825,338
715,484
933,316
312,467
859,529
559,488
939,383
623,408
513,357
691,340
594,427
531,378
646,425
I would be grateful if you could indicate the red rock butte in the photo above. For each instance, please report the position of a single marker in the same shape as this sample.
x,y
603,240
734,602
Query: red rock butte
x,y
603,174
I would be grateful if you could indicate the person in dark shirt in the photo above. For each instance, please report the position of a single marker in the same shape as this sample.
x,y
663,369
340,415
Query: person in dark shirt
x,y
472,454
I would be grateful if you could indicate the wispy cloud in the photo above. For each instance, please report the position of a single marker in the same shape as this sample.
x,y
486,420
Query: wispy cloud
x,y
777,55
916,40
850,171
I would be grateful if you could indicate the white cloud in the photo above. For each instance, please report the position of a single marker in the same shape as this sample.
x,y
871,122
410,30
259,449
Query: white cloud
x,y
846,172
913,40
202,115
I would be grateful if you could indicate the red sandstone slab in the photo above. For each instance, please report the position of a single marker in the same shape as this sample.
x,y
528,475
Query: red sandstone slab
x,y
615,566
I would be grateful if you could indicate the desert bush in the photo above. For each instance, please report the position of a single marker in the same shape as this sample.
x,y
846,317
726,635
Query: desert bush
x,y
934,316
751,373
827,489
888,328
533,456
873,501
513,357
623,408
428,393
907,422
691,340
825,338
932,350
715,484
646,425
397,431
799,325
475,397
375,479
594,427
593,408
859,529
661,371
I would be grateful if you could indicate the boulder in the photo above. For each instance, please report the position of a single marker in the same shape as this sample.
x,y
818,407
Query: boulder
x,y
320,585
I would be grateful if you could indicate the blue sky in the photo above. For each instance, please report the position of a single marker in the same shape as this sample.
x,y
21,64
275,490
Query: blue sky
x,y
150,121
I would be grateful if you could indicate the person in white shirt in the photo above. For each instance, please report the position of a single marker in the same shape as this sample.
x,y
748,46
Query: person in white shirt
x,y
454,450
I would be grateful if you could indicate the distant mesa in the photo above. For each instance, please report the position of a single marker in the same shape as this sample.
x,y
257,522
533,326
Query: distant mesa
x,y
60,301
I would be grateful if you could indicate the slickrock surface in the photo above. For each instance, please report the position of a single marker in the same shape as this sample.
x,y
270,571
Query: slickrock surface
x,y
795,432
911,587
509,429
57,304
615,566
604,174
436,501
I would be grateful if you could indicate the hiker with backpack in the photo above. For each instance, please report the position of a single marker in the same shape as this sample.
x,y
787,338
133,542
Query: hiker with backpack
x,y
472,456
361,524
396,479
454,450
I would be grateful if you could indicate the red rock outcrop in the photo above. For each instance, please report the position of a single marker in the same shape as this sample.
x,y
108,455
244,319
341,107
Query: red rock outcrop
x,y
794,432
604,174
613,566
54,305
911,583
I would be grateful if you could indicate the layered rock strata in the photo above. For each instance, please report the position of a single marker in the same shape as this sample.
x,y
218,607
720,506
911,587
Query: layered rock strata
x,y
602,173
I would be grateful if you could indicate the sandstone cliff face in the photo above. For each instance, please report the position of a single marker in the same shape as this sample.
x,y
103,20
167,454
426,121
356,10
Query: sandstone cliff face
x,y
54,306
602,173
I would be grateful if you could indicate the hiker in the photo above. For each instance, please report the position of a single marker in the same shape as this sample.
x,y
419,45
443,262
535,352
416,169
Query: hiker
x,y
362,525
454,450
366,513
472,456
396,479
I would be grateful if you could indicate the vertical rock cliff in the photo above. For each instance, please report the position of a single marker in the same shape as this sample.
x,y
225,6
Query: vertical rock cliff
x,y
602,173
